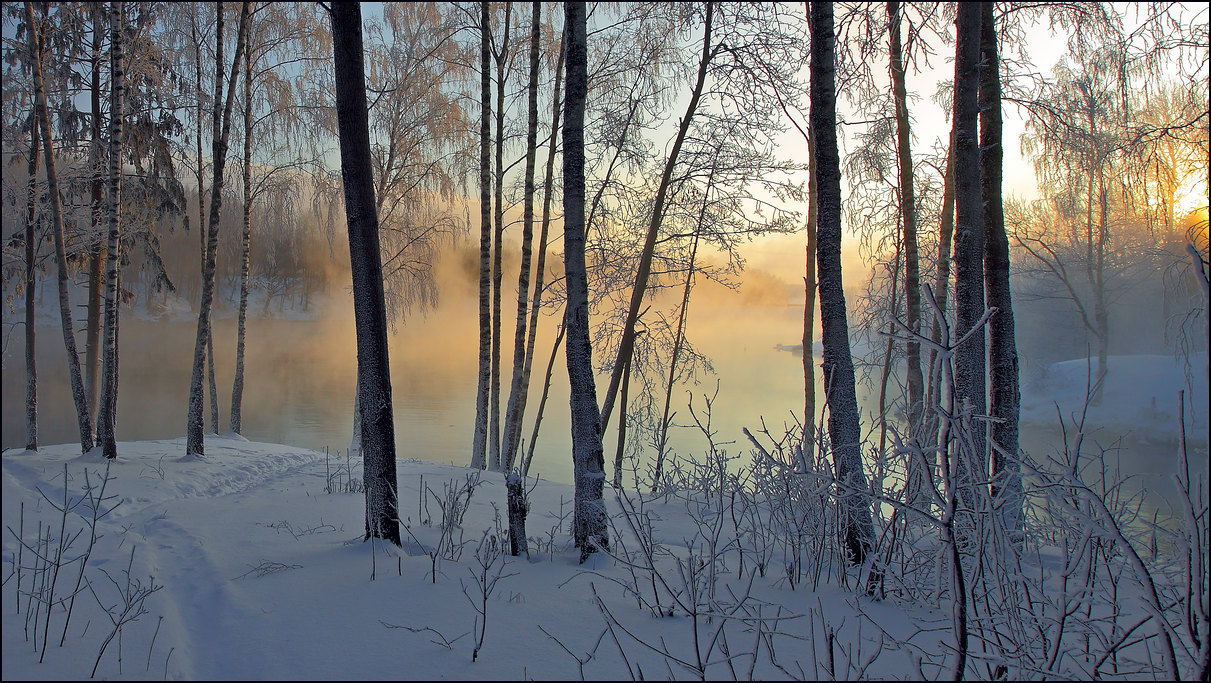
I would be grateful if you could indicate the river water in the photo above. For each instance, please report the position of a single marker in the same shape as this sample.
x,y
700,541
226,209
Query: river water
x,y
301,373
300,377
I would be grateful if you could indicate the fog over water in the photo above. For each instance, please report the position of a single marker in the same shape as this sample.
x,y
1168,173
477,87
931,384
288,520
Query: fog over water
x,y
301,375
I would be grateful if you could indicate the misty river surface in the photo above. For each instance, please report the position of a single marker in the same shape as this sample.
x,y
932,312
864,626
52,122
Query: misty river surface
x,y
300,377
300,381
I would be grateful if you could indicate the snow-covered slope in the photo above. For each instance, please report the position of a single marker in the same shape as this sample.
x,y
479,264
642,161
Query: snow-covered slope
x,y
1140,393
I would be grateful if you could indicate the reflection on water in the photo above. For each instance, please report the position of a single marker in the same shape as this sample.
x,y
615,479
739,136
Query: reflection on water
x,y
300,378
301,375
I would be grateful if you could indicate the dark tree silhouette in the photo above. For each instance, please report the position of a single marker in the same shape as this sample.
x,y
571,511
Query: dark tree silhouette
x,y
1002,348
369,304
969,240
587,457
838,366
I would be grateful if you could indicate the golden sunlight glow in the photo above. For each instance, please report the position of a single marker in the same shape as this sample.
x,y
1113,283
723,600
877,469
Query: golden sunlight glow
x,y
1191,195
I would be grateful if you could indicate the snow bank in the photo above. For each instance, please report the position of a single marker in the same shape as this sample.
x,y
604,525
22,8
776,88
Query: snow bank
x,y
1140,393
265,576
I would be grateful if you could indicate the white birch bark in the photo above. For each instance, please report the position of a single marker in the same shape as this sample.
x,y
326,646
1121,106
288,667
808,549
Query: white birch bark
x,y
237,384
480,439
501,57
194,446
513,410
106,415
540,268
83,418
1002,347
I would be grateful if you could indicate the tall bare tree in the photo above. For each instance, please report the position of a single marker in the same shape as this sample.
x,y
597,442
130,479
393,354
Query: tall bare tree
x,y
83,418
908,216
107,408
517,504
1002,346
502,56
194,446
1075,135
969,243
590,530
31,279
838,367
96,257
236,415
540,272
369,304
281,36
512,425
480,443
627,341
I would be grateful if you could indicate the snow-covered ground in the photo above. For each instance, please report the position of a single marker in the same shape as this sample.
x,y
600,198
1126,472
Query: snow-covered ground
x,y
1140,393
264,575
261,573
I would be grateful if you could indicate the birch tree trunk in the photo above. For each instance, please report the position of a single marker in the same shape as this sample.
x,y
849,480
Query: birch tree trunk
x,y
107,410
620,447
542,402
512,431
237,384
197,44
96,256
838,366
809,312
213,387
194,446
590,531
941,285
969,245
626,344
540,270
480,442
908,215
885,375
209,352
369,304
501,57
31,280
1002,348
83,417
